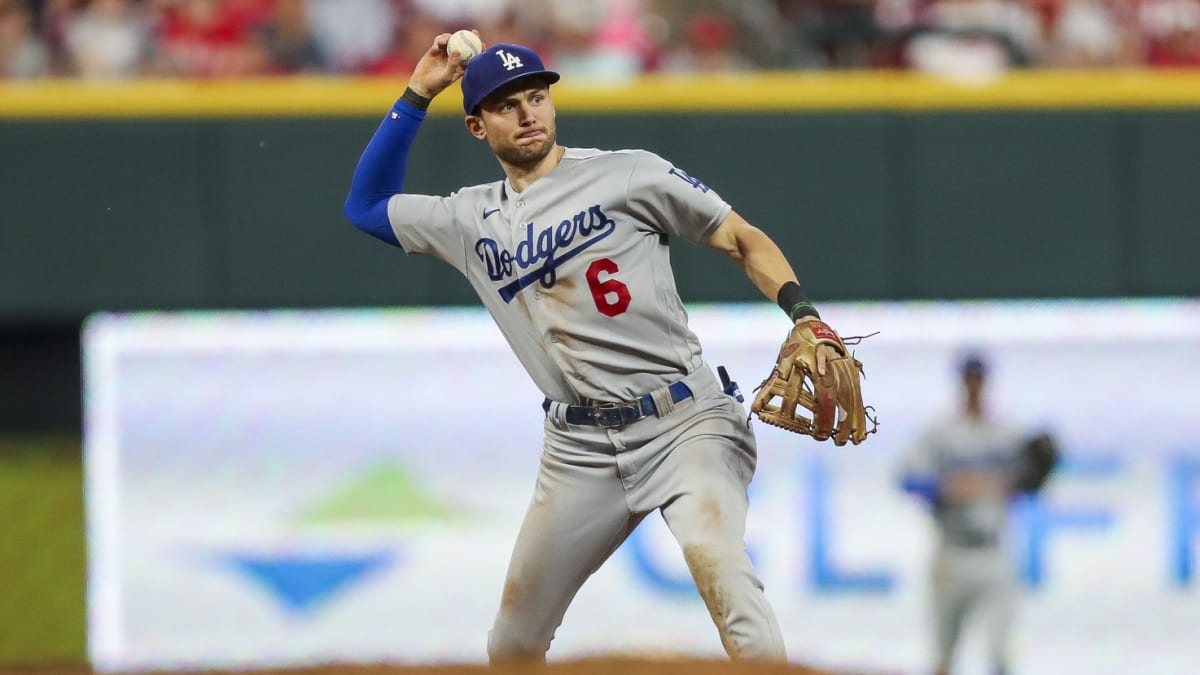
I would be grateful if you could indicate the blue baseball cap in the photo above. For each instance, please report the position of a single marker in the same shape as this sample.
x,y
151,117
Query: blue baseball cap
x,y
495,67
973,363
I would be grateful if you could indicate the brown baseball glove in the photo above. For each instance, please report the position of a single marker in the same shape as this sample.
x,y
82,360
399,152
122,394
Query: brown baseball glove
x,y
1037,458
833,401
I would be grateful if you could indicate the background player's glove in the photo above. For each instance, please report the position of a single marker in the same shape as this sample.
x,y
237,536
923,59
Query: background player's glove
x,y
1036,459
833,402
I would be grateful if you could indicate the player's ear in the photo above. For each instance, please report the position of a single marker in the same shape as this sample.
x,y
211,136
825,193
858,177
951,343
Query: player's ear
x,y
475,126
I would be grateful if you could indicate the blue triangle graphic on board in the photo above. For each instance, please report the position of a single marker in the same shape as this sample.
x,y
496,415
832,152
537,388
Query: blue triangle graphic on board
x,y
301,583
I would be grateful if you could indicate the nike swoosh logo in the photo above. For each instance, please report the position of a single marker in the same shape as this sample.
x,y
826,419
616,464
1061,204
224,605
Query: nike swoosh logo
x,y
487,213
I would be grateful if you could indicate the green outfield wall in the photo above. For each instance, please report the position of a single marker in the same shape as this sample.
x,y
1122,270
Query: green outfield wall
x,y
164,195
168,195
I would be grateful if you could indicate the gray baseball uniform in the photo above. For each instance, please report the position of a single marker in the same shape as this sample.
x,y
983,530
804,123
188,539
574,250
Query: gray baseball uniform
x,y
576,273
970,460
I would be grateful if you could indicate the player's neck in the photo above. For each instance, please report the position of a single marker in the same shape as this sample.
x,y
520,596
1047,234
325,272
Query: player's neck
x,y
974,409
521,176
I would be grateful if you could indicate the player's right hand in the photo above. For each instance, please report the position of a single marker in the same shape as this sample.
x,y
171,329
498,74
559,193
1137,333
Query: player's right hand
x,y
437,69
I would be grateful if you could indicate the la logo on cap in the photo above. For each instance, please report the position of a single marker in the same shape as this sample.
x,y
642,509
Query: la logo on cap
x,y
509,61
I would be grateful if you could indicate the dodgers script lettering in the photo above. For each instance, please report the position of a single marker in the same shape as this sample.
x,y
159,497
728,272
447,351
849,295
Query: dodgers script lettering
x,y
539,255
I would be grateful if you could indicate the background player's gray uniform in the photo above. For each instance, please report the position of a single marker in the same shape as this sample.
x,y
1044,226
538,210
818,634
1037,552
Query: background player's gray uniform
x,y
576,273
972,572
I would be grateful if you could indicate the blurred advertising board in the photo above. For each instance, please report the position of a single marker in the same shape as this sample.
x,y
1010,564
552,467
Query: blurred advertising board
x,y
287,488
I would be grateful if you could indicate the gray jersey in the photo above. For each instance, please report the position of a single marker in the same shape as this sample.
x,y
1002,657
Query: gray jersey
x,y
980,450
575,270
970,460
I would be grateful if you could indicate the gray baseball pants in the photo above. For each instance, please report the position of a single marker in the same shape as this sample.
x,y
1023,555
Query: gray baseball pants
x,y
596,484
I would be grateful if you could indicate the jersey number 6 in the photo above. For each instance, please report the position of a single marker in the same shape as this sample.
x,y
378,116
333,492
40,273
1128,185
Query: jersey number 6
x,y
602,291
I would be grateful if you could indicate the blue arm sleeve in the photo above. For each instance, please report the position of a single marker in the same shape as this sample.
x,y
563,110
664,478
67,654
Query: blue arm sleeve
x,y
380,172
921,486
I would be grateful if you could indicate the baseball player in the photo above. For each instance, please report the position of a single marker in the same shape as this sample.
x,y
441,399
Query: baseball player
x,y
568,251
966,468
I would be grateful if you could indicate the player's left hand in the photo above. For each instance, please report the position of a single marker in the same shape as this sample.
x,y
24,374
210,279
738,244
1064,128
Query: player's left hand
x,y
1037,457
815,372
825,352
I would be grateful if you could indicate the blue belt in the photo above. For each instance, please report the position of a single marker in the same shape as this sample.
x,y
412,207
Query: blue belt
x,y
972,539
619,414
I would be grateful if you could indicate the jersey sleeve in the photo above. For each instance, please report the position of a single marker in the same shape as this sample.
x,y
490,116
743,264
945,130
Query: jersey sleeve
x,y
919,471
426,225
672,201
921,459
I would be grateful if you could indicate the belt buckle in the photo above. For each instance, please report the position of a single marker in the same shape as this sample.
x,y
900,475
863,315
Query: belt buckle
x,y
626,412
599,418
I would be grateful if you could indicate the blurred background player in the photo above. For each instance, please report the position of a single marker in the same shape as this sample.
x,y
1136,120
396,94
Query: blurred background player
x,y
967,467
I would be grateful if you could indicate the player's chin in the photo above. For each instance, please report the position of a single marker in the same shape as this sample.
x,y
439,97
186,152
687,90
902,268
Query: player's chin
x,y
527,152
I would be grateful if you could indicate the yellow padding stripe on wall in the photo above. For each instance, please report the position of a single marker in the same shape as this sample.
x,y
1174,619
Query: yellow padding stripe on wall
x,y
770,92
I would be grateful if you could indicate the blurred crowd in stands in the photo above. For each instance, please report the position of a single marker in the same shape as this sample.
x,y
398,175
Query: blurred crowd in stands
x,y
589,39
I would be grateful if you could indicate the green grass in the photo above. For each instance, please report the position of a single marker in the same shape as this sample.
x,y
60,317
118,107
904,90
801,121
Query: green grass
x,y
42,554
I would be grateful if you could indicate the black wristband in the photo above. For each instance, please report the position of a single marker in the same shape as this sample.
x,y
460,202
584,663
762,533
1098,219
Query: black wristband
x,y
415,100
794,303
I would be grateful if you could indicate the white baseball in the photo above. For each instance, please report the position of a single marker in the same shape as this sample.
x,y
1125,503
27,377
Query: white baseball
x,y
466,43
